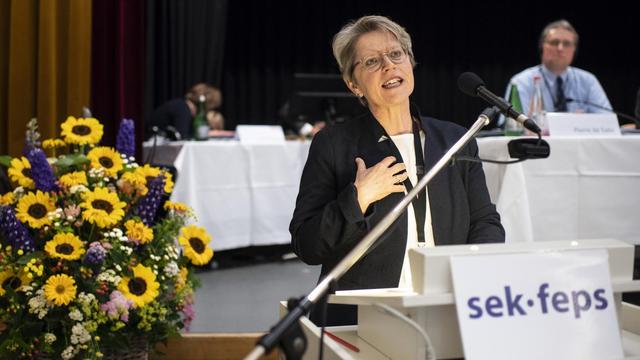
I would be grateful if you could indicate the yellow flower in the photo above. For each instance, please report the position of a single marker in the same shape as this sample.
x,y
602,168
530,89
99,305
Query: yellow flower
x,y
181,280
136,180
65,246
102,207
74,178
106,158
176,206
7,199
60,289
20,172
13,280
33,209
138,231
81,131
142,288
195,241
168,182
150,173
52,143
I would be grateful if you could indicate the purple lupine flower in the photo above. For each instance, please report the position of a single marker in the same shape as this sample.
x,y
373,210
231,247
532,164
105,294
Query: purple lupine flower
x,y
117,307
14,231
149,204
126,139
41,171
95,254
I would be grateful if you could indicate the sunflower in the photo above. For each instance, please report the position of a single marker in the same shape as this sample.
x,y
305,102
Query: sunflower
x,y
106,158
195,241
142,288
33,209
20,172
65,246
13,280
52,143
150,173
138,231
60,289
136,180
7,199
176,206
81,131
102,207
74,178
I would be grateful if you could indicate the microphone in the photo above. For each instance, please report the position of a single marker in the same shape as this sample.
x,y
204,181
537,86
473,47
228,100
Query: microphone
x,y
471,84
622,115
174,132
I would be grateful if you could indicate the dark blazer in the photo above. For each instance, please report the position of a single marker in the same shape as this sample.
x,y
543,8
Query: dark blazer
x,y
327,222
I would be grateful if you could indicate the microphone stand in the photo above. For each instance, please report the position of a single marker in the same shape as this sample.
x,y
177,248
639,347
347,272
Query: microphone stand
x,y
269,341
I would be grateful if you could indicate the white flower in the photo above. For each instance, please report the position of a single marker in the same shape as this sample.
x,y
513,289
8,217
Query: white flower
x,y
79,335
49,338
78,188
110,277
76,315
69,353
38,305
86,299
171,269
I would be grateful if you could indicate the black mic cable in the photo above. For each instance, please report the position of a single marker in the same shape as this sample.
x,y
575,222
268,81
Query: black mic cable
x,y
622,115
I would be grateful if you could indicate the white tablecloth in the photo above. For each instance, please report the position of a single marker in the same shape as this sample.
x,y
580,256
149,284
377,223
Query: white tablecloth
x,y
244,195
588,188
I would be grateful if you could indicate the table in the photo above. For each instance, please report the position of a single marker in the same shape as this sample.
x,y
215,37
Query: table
x,y
588,188
244,195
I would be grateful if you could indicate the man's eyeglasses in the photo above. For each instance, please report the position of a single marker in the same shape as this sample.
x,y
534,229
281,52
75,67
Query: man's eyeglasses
x,y
564,43
373,63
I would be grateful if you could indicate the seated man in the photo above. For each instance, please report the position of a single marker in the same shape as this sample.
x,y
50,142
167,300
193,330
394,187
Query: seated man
x,y
175,117
564,88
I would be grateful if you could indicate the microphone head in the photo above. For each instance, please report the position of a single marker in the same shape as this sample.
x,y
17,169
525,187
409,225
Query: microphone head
x,y
469,83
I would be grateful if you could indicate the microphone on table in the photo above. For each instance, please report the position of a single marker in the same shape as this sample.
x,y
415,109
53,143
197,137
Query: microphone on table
x,y
471,84
622,115
173,132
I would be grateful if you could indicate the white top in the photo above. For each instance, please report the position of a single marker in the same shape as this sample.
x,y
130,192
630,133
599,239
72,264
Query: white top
x,y
404,143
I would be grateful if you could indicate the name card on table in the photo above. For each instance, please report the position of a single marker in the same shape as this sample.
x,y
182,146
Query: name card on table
x,y
260,134
576,124
536,306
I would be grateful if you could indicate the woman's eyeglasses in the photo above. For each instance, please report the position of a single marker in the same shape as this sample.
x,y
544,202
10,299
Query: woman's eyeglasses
x,y
373,63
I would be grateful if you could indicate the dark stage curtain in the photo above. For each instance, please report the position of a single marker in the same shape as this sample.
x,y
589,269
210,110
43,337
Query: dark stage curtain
x,y
269,41
185,44
117,71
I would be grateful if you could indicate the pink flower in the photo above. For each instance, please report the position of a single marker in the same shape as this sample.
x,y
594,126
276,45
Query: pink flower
x,y
117,307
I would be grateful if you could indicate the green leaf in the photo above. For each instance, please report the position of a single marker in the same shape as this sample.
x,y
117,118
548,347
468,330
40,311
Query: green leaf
x,y
72,160
5,160
27,258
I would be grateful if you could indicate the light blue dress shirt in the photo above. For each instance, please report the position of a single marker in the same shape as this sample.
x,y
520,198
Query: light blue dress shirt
x,y
580,85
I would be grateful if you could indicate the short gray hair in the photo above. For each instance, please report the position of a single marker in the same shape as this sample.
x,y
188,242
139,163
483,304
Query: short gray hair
x,y
344,42
562,24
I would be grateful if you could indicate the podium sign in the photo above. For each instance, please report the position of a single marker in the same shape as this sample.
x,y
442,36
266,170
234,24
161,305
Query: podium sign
x,y
546,305
575,124
260,134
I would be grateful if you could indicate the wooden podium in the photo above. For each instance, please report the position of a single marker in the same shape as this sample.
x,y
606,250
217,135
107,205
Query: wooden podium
x,y
432,305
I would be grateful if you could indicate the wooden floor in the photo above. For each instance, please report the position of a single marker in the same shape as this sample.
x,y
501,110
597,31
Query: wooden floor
x,y
211,346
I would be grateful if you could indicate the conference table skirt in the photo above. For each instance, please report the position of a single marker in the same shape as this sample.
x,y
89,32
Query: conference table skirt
x,y
244,195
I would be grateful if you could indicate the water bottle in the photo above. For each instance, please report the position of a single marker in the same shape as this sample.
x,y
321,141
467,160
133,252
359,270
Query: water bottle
x,y
536,108
200,125
511,126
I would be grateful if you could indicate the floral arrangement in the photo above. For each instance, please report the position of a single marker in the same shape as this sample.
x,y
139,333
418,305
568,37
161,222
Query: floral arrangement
x,y
92,253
